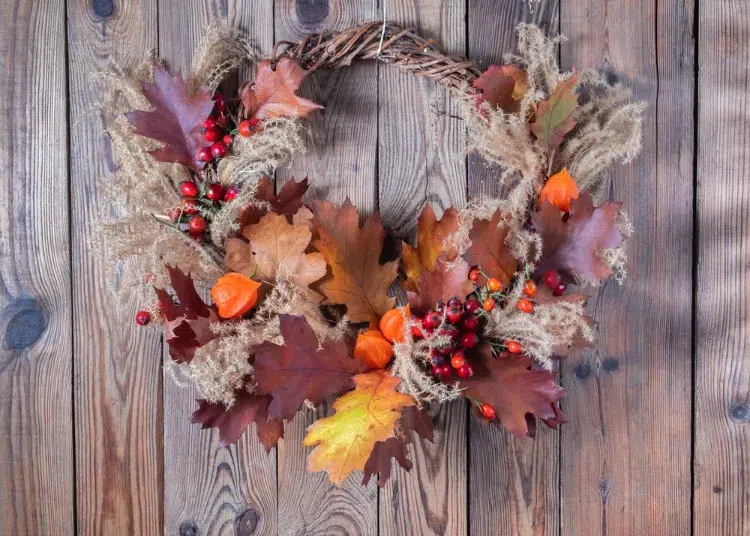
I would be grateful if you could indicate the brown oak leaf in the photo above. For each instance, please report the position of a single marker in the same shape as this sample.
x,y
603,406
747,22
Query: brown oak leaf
x,y
503,86
233,421
273,92
302,368
514,389
188,320
431,235
447,279
358,280
286,203
553,120
276,248
488,249
412,420
176,120
573,246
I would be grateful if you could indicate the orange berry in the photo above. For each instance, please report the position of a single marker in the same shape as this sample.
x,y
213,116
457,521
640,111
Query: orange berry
x,y
488,304
488,412
513,347
458,361
525,306
529,288
494,284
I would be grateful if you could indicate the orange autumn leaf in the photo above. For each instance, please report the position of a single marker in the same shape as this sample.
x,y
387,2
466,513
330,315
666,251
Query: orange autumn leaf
x,y
373,349
431,235
234,295
560,190
343,442
393,323
273,92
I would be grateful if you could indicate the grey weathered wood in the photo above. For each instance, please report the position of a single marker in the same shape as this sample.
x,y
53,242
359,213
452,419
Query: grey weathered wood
x,y
421,149
222,490
626,452
118,415
340,164
36,429
514,483
722,368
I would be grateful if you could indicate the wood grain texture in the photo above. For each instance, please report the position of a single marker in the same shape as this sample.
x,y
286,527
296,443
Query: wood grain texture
x,y
36,355
626,452
340,164
421,158
722,369
220,489
118,394
514,483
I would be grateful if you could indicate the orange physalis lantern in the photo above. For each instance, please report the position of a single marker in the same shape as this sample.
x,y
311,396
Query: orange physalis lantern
x,y
234,295
393,322
372,349
559,190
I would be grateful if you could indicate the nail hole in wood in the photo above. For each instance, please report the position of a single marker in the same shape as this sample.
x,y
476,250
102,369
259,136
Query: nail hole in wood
x,y
24,328
718,489
312,12
246,523
103,8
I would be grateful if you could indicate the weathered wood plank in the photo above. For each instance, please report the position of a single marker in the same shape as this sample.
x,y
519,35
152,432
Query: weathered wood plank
x,y
340,164
211,489
514,483
722,370
118,395
421,148
36,357
626,452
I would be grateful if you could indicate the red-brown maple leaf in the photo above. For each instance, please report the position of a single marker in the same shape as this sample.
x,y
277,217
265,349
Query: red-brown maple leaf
x,y
302,368
488,249
273,92
412,420
177,119
188,320
573,246
286,203
514,389
447,279
233,421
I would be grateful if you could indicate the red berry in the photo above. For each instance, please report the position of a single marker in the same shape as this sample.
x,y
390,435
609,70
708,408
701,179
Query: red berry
x,y
466,371
204,154
472,304
228,139
445,371
525,306
454,315
231,193
215,192
197,224
468,340
488,412
212,134
219,102
209,123
551,279
219,150
470,323
437,359
450,331
474,273
560,289
513,347
529,288
189,207
458,359
245,129
416,332
189,189
494,284
142,318
488,304
455,302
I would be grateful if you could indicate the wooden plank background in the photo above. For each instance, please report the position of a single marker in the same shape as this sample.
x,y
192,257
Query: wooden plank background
x,y
94,439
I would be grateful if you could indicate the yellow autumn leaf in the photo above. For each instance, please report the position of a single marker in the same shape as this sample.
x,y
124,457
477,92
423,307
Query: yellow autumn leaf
x,y
343,442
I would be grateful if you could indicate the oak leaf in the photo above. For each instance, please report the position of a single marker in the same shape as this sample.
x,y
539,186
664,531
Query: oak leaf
x,y
302,368
447,279
276,248
553,120
343,442
286,203
188,320
559,190
513,388
176,120
273,92
573,245
358,280
412,421
503,86
431,235
233,421
488,249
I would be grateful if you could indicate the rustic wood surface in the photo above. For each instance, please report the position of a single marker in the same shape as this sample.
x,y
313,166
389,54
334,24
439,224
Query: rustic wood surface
x,y
94,439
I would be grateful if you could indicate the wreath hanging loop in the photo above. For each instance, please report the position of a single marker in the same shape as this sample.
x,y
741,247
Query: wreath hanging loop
x,y
301,310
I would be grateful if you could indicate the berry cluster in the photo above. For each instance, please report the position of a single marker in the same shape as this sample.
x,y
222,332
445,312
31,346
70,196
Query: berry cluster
x,y
215,132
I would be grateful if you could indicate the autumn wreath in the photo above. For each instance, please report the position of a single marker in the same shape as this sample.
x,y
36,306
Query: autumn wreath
x,y
302,295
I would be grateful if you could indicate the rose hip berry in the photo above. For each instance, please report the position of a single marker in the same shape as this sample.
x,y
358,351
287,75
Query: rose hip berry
x,y
218,150
197,225
142,318
468,340
551,278
215,192
465,372
525,306
560,289
189,189
488,412
231,193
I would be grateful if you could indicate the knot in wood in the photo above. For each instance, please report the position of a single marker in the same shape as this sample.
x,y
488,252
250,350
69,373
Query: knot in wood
x,y
25,327
246,523
103,8
188,528
312,12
